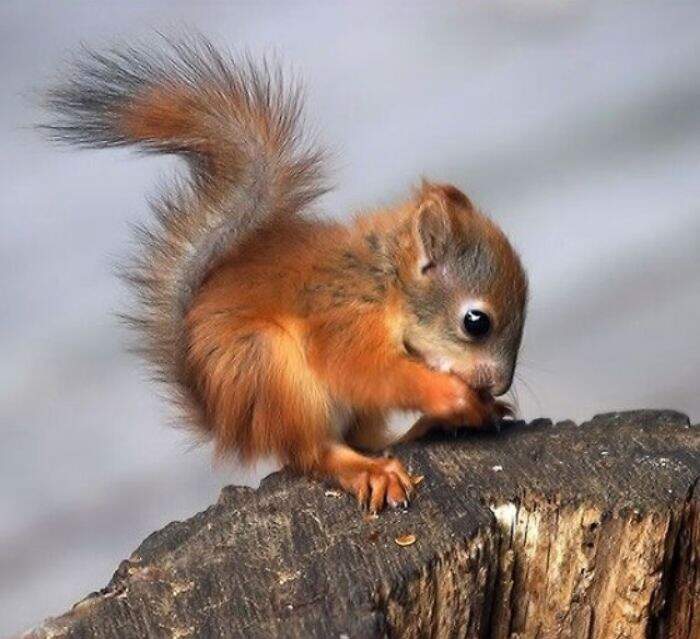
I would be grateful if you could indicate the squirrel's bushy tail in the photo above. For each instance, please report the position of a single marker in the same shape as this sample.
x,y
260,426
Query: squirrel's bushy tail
x,y
237,125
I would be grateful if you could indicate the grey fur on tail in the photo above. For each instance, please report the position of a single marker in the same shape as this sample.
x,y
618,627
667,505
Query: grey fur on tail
x,y
236,123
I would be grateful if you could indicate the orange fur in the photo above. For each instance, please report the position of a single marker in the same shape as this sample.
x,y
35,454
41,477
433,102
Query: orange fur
x,y
159,114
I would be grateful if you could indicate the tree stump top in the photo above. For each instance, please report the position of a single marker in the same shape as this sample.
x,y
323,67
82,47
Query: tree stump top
x,y
549,530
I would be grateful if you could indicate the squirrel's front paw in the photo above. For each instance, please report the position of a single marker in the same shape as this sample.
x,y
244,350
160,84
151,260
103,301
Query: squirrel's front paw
x,y
445,397
502,409
482,411
489,412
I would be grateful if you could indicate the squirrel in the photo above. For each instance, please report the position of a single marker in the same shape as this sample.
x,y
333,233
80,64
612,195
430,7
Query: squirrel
x,y
280,333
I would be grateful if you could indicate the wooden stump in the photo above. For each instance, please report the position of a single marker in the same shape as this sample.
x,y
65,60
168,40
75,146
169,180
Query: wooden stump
x,y
540,530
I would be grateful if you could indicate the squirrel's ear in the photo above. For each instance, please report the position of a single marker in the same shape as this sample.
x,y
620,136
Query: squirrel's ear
x,y
432,227
435,208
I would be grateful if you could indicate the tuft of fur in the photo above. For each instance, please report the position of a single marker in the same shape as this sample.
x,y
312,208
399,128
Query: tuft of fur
x,y
237,125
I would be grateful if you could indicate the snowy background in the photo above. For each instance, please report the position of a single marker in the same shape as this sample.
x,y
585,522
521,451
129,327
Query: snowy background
x,y
576,125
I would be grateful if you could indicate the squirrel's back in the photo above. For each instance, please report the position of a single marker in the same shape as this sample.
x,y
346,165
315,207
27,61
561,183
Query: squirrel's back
x,y
235,123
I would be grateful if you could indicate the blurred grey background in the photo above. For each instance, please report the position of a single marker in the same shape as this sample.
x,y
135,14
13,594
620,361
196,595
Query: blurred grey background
x,y
576,125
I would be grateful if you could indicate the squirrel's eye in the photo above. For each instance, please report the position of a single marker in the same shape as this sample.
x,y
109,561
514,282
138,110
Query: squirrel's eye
x,y
477,324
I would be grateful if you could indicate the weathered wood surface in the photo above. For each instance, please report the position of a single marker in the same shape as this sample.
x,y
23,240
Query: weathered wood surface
x,y
540,530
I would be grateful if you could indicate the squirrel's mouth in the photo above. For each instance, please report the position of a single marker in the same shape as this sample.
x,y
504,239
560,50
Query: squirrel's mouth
x,y
479,377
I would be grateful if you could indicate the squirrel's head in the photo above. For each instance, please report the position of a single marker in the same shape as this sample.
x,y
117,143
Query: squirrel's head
x,y
465,287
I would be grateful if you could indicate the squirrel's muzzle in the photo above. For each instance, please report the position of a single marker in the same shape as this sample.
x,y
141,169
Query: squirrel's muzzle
x,y
490,377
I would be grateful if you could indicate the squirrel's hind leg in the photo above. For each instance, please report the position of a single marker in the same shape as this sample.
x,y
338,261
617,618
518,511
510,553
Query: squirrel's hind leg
x,y
374,481
263,399
259,395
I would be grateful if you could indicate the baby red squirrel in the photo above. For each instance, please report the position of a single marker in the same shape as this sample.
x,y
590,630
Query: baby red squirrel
x,y
279,333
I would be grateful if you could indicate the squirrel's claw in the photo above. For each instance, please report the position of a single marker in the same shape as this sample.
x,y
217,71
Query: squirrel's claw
x,y
385,483
503,409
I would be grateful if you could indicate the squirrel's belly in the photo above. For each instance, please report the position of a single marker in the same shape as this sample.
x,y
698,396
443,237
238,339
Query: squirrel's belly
x,y
399,422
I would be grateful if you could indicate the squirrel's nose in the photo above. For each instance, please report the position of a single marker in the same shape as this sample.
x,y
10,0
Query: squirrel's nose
x,y
500,390
490,378
503,386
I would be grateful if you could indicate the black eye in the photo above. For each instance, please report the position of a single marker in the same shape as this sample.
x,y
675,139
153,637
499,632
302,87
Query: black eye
x,y
476,323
